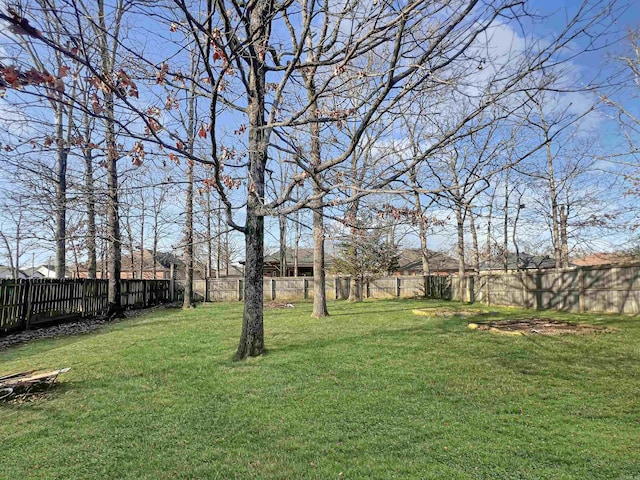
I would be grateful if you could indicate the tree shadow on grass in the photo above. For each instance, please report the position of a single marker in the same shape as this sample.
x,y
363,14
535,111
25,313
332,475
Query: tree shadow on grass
x,y
298,345
369,312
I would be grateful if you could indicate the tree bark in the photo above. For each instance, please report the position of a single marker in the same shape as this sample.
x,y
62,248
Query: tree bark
x,y
282,220
142,217
112,156
188,224
113,217
564,240
252,337
188,239
90,200
422,230
505,245
460,234
553,193
62,153
209,236
474,240
296,245
319,291
219,241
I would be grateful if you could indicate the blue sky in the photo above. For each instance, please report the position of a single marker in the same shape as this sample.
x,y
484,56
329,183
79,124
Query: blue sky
x,y
588,64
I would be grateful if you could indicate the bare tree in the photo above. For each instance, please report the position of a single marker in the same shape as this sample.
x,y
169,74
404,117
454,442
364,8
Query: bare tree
x,y
254,82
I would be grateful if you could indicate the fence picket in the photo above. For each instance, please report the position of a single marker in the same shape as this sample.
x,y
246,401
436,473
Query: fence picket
x,y
24,303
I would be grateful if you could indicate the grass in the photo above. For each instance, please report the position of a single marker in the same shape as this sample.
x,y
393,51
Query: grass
x,y
372,392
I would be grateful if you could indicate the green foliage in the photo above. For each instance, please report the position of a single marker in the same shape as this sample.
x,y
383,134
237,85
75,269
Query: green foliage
x,y
365,255
371,392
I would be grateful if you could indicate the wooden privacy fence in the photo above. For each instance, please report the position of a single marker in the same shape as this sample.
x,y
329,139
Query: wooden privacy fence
x,y
26,303
587,289
301,288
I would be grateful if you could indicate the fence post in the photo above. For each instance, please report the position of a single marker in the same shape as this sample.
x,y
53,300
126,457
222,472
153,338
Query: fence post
x,y
305,288
368,289
172,282
539,293
83,290
336,286
581,292
206,289
398,287
487,279
239,289
273,289
26,313
145,295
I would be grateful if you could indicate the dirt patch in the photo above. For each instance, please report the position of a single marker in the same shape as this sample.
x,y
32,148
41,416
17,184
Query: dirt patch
x,y
539,326
277,305
80,327
446,312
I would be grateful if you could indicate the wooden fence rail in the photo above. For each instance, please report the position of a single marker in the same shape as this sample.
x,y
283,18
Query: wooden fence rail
x,y
301,288
602,289
26,303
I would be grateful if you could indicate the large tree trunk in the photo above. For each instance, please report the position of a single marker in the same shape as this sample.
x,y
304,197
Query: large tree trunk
x,y
227,253
296,245
209,236
142,250
505,244
354,290
219,242
188,239
188,223
461,260
422,230
282,221
128,230
90,200
460,233
355,284
319,281
252,337
319,291
113,217
62,152
112,155
514,235
555,226
553,194
474,240
564,239
488,247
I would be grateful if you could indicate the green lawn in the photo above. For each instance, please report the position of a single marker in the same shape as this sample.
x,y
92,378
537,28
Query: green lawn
x,y
372,392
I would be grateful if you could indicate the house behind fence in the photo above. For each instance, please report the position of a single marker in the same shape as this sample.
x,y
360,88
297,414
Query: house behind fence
x,y
32,302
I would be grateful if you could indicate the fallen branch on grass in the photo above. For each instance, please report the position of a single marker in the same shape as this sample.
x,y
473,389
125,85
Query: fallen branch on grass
x,y
26,383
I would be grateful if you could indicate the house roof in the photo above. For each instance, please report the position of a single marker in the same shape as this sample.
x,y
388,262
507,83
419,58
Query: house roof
x,y
7,272
163,260
410,259
305,257
602,258
523,261
32,272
